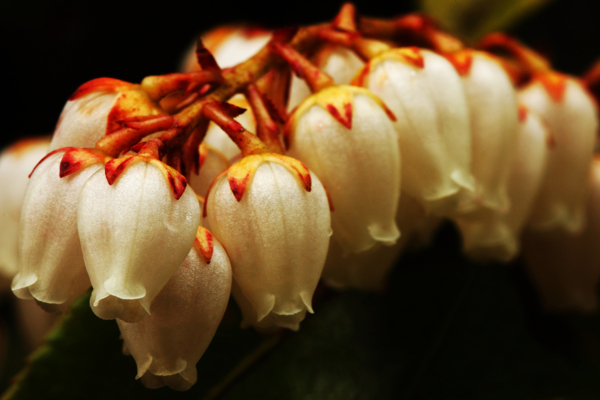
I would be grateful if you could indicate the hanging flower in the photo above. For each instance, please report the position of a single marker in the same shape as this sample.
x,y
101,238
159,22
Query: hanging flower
x,y
96,108
572,119
16,162
272,216
51,264
184,317
137,222
492,235
346,136
426,95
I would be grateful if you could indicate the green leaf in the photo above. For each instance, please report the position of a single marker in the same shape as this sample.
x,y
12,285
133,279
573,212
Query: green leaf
x,y
474,18
445,328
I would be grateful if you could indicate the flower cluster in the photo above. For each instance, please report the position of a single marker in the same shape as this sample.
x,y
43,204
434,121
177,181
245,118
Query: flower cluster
x,y
165,197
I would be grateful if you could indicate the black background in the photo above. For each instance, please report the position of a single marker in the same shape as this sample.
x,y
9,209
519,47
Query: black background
x,y
49,48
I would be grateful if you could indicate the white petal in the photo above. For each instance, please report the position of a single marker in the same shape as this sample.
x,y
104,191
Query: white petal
x,y
184,318
134,236
433,127
83,121
573,123
276,237
493,108
51,267
16,163
360,167
492,234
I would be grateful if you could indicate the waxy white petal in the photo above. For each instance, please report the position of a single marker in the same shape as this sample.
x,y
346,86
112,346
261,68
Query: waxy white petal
x,y
134,234
497,235
432,123
51,264
492,103
276,237
573,123
184,317
360,166
16,164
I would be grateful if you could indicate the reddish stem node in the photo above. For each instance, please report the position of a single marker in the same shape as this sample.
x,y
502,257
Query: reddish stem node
x,y
346,18
246,141
314,77
266,128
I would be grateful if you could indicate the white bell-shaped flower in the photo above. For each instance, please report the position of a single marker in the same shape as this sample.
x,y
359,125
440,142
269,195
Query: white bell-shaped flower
x,y
16,163
272,216
565,267
340,63
51,264
572,118
426,95
135,233
492,103
493,235
183,318
345,135
212,162
94,110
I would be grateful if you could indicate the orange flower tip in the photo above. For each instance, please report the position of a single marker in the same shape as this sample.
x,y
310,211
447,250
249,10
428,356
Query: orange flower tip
x,y
462,61
64,149
555,84
522,113
205,59
412,55
114,168
76,159
177,182
344,117
238,186
204,243
100,85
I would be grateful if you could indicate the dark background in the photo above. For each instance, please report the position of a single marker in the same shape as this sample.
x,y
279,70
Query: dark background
x,y
49,48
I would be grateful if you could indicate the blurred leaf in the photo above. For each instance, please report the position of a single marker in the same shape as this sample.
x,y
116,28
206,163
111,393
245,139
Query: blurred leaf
x,y
445,328
474,18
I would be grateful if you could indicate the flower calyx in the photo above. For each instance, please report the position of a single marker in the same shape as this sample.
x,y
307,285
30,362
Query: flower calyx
x,y
240,174
75,159
204,243
337,101
408,55
115,167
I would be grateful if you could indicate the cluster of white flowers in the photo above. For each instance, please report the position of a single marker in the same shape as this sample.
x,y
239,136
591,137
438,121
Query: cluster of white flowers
x,y
379,158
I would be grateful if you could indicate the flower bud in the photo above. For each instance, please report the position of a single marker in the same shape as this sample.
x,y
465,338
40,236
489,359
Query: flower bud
x,y
345,136
95,109
51,264
494,235
573,122
212,163
137,222
341,63
16,163
272,216
492,103
565,267
426,95
168,343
